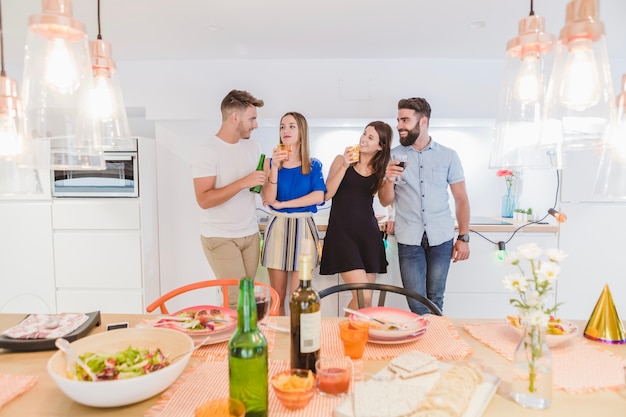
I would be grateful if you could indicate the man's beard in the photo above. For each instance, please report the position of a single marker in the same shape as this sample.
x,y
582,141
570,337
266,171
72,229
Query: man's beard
x,y
411,136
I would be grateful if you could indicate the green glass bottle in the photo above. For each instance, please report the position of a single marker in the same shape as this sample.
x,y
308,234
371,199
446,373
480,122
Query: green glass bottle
x,y
247,356
259,167
306,316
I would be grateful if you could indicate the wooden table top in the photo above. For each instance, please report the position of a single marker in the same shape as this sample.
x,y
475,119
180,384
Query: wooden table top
x,y
45,399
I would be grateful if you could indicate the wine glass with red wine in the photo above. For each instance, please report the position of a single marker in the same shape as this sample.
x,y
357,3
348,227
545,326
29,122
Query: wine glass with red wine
x,y
401,158
263,301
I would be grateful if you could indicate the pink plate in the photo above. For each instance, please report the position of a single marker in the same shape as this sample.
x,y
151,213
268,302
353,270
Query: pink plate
x,y
220,328
401,340
409,323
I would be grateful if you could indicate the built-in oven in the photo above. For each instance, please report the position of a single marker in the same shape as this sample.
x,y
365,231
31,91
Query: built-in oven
x,y
118,179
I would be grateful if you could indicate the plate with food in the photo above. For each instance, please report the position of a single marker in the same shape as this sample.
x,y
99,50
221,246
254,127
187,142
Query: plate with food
x,y
201,321
558,331
398,341
393,324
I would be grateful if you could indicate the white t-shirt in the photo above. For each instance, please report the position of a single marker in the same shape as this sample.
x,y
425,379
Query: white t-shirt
x,y
228,162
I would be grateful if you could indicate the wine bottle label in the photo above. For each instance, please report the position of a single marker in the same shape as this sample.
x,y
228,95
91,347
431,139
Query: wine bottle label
x,y
310,332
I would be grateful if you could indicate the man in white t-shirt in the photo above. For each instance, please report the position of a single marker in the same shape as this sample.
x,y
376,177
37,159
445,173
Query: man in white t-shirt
x,y
224,170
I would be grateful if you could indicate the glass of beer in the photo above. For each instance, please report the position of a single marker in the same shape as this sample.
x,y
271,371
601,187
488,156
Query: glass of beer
x,y
354,152
284,147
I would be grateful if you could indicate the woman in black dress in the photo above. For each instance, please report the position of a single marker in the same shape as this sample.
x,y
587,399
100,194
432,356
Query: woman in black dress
x,y
353,244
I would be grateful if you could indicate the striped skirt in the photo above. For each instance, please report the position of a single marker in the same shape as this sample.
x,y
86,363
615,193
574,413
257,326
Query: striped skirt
x,y
283,236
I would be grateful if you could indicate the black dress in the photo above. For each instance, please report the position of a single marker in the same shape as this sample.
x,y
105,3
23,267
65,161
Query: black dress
x,y
353,239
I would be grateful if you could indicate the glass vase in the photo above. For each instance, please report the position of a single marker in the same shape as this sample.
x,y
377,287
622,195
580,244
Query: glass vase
x,y
508,205
532,370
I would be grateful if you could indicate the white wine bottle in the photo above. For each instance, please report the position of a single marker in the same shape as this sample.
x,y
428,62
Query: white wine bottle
x,y
306,316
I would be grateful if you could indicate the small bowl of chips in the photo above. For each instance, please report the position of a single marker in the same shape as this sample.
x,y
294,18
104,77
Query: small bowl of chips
x,y
294,388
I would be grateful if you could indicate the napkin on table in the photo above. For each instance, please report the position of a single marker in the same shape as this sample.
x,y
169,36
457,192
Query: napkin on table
x,y
13,385
40,326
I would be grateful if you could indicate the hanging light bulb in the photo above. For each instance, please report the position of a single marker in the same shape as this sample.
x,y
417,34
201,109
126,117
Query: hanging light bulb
x,y
501,253
57,86
518,123
560,217
579,102
529,81
107,101
60,67
580,88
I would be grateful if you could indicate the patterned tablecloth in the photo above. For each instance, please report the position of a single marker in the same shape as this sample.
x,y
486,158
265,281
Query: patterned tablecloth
x,y
600,369
209,379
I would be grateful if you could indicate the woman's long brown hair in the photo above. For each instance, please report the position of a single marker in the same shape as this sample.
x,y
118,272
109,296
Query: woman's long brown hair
x,y
379,161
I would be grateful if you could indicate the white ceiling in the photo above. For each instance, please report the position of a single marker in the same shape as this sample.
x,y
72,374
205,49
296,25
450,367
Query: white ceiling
x,y
316,29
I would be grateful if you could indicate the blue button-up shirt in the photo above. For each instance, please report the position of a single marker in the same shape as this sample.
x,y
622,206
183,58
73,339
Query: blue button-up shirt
x,y
422,204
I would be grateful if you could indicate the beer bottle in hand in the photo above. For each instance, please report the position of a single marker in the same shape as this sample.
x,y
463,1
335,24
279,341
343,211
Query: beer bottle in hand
x,y
247,355
306,316
259,167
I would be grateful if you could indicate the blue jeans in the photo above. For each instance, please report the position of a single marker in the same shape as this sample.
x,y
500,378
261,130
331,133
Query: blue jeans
x,y
424,269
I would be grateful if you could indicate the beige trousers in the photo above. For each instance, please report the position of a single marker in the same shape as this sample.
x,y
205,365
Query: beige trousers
x,y
232,258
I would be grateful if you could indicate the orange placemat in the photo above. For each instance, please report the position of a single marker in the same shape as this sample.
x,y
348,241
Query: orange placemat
x,y
578,365
209,380
441,340
219,351
13,385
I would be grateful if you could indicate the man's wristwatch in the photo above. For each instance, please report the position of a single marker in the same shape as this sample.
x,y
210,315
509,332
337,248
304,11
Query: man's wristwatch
x,y
463,238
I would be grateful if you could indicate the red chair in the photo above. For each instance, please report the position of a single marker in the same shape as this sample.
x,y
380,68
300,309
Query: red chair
x,y
224,283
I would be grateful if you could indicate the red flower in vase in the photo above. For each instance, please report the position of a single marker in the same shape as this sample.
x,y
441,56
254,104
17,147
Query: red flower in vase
x,y
509,176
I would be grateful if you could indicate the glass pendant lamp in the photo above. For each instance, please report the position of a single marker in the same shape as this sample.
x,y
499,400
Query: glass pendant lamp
x,y
17,173
579,102
611,178
522,89
107,100
57,87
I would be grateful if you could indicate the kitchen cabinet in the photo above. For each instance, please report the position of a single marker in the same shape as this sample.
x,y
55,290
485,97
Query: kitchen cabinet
x,y
97,254
592,239
26,260
81,254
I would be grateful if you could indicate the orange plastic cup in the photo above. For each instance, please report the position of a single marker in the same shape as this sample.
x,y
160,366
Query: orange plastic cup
x,y
222,407
353,334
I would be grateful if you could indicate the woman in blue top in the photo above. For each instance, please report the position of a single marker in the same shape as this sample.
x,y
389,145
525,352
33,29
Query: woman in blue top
x,y
294,188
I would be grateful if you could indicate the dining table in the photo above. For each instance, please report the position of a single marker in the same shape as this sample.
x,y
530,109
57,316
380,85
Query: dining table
x,y
45,399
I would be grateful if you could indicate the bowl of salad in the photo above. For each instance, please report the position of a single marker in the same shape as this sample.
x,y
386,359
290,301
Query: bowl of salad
x,y
131,365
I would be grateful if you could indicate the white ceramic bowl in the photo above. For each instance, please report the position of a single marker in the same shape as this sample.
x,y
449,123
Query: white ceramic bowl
x,y
554,340
120,392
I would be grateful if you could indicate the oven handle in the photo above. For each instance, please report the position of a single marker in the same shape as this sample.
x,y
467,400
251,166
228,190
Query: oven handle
x,y
120,158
